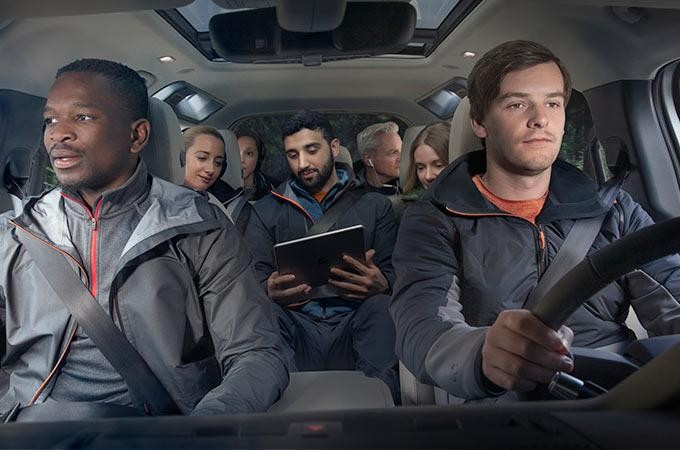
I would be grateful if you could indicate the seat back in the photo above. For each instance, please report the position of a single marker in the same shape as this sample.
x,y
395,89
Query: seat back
x,y
462,139
333,390
406,143
20,139
161,153
233,176
345,157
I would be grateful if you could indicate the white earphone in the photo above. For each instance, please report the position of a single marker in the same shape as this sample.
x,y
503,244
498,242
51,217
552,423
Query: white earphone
x,y
370,163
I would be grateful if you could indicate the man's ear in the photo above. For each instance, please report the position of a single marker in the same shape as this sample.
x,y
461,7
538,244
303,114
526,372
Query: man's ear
x,y
478,128
140,131
335,148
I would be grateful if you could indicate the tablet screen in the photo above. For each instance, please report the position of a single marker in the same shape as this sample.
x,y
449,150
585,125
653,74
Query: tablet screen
x,y
310,258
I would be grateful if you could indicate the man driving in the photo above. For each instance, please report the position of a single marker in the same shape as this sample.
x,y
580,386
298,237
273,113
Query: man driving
x,y
470,253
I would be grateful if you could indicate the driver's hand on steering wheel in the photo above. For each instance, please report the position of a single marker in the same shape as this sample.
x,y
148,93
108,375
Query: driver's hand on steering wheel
x,y
520,351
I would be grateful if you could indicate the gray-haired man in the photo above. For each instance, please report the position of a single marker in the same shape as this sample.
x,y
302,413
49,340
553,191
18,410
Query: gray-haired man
x,y
380,148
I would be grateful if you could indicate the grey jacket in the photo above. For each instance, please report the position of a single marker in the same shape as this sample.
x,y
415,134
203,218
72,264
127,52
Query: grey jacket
x,y
460,261
183,291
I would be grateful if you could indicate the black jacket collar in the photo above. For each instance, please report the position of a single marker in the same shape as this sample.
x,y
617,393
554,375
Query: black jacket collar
x,y
572,194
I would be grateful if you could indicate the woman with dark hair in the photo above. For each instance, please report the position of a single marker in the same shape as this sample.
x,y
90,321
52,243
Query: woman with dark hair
x,y
255,184
429,156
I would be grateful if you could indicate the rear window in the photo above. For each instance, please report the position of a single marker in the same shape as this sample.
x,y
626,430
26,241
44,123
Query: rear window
x,y
346,127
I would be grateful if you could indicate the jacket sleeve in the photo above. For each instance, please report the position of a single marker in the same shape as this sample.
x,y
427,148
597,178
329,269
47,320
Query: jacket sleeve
x,y
654,289
261,244
385,238
433,339
242,326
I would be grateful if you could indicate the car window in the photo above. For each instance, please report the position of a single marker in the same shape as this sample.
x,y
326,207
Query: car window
x,y
346,126
578,130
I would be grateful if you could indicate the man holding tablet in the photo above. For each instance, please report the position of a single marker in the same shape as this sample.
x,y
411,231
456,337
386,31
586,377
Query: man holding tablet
x,y
343,324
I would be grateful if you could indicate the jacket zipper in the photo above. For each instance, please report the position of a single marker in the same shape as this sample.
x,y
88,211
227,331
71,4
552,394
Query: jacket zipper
x,y
621,216
541,254
294,203
94,219
49,377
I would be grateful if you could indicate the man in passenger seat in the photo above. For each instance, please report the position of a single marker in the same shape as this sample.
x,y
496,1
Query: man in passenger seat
x,y
380,148
472,250
345,324
166,267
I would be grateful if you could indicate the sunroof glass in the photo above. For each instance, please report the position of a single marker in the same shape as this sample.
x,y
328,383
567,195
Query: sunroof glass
x,y
431,13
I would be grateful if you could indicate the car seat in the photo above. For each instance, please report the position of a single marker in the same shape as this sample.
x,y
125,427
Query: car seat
x,y
162,151
461,140
345,157
409,136
20,139
233,176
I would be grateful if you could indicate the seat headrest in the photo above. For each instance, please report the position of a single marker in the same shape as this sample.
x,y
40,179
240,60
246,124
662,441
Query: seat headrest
x,y
234,174
462,139
161,153
345,157
20,137
409,136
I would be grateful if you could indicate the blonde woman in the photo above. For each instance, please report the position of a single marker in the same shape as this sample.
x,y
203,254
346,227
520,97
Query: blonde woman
x,y
429,155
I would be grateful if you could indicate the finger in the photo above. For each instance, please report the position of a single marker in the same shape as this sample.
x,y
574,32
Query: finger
x,y
526,350
344,275
566,334
356,264
526,324
290,292
349,288
369,257
283,279
517,367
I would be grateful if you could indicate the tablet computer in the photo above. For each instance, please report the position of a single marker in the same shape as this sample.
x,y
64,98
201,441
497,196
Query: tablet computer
x,y
311,258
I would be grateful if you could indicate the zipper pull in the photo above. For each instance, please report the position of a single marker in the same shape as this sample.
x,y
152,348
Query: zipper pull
x,y
93,221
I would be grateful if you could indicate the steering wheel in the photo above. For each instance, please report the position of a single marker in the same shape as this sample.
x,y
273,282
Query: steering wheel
x,y
594,273
604,266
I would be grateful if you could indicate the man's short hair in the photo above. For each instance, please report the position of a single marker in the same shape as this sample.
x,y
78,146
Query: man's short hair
x,y
484,82
308,119
126,84
367,141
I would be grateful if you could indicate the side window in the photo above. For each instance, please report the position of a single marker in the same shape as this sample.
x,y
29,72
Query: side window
x,y
346,126
49,177
578,142
578,130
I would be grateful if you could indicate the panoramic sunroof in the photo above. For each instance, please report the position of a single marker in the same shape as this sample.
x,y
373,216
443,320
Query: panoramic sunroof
x,y
435,20
431,13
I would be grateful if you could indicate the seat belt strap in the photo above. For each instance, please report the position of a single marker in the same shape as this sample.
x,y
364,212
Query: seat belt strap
x,y
576,244
331,216
145,387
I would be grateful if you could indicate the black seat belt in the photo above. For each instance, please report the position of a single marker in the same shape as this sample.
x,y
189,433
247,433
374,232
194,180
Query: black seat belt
x,y
145,387
327,220
331,216
577,243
